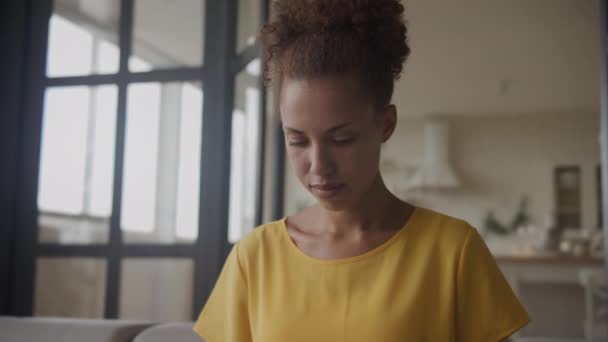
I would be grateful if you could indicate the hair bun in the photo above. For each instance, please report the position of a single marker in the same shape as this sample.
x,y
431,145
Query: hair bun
x,y
308,38
363,16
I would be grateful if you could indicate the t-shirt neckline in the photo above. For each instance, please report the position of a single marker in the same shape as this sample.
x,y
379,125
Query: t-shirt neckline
x,y
385,245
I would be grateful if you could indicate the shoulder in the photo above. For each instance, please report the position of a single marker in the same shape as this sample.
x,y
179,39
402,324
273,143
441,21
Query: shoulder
x,y
436,232
273,234
265,233
262,240
446,226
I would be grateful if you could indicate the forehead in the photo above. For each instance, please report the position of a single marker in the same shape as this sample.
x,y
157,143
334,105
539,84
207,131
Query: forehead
x,y
323,101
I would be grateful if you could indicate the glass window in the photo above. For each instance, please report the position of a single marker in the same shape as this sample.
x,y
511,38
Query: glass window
x,y
167,34
248,24
244,152
162,162
70,287
167,295
77,164
83,38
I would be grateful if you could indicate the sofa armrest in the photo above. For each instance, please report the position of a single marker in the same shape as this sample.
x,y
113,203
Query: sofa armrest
x,y
33,329
174,332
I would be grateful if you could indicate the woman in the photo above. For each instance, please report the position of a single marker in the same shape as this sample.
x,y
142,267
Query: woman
x,y
360,265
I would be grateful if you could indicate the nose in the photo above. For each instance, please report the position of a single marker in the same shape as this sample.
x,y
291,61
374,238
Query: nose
x,y
321,161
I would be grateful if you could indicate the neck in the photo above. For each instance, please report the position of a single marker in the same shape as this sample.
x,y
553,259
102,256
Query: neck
x,y
375,211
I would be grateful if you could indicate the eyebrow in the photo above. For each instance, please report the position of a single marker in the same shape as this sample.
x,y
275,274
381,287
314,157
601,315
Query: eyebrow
x,y
335,128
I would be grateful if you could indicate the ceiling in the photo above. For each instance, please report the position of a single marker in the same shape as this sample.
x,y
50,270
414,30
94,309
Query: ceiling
x,y
469,57
472,57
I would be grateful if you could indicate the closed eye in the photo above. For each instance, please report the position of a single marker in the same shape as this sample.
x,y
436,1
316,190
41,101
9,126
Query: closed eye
x,y
344,141
297,143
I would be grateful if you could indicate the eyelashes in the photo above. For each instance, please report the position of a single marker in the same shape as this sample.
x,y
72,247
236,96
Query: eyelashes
x,y
346,141
337,141
297,143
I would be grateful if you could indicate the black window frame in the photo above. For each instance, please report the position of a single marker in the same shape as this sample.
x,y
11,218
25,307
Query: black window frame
x,y
217,74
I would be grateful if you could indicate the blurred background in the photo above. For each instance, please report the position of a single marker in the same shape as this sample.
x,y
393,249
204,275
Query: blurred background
x,y
138,143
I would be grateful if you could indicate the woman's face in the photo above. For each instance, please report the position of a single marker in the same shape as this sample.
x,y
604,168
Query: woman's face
x,y
333,134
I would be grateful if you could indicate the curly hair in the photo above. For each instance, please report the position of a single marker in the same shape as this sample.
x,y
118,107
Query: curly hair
x,y
318,38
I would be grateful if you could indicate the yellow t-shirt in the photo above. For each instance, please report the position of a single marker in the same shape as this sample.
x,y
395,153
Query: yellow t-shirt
x,y
434,280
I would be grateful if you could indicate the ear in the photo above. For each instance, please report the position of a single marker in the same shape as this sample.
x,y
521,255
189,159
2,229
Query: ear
x,y
389,122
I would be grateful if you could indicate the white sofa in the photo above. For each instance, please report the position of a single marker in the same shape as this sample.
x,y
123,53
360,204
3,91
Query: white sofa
x,y
35,329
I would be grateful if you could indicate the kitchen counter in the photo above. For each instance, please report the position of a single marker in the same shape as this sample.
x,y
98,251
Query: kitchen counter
x,y
550,258
546,283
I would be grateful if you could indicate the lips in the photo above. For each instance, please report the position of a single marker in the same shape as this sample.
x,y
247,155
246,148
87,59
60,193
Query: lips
x,y
326,190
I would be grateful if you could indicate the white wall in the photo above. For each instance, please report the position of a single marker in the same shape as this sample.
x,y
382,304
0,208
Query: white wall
x,y
496,56
499,159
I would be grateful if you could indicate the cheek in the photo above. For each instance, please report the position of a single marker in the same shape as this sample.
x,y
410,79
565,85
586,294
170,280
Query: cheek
x,y
363,165
358,162
365,153
298,160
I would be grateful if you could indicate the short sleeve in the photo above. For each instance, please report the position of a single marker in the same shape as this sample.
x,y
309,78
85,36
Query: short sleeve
x,y
487,309
225,317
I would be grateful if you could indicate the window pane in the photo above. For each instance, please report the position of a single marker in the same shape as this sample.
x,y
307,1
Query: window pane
x,y
245,152
157,290
162,155
77,164
83,38
167,34
70,287
249,23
